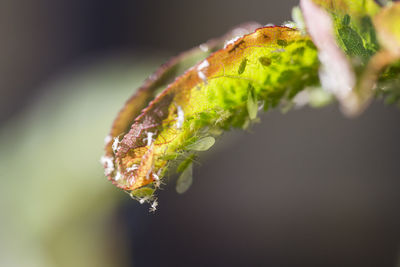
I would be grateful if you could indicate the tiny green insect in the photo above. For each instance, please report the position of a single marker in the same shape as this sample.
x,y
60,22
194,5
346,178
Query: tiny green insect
x,y
202,144
185,180
265,61
252,107
282,42
242,66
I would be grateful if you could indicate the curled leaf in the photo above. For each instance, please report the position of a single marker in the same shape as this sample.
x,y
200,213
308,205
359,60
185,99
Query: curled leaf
x,y
178,113
152,87
216,94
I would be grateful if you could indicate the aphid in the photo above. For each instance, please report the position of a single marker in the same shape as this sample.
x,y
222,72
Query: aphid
x,y
202,76
200,72
282,42
231,41
118,176
155,176
131,180
203,65
265,61
236,45
203,47
202,144
108,163
115,145
148,173
154,205
280,50
149,138
145,168
242,66
157,181
301,99
299,51
180,118
185,180
261,105
132,168
290,24
144,199
144,194
252,106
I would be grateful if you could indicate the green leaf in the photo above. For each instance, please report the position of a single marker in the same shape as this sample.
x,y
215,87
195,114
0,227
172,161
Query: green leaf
x,y
164,124
348,46
352,22
218,93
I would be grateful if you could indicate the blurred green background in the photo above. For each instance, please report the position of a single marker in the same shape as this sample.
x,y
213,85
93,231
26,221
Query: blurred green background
x,y
309,188
56,204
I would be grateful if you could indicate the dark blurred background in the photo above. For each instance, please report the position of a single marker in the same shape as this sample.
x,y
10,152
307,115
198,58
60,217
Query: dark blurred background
x,y
43,38
307,188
